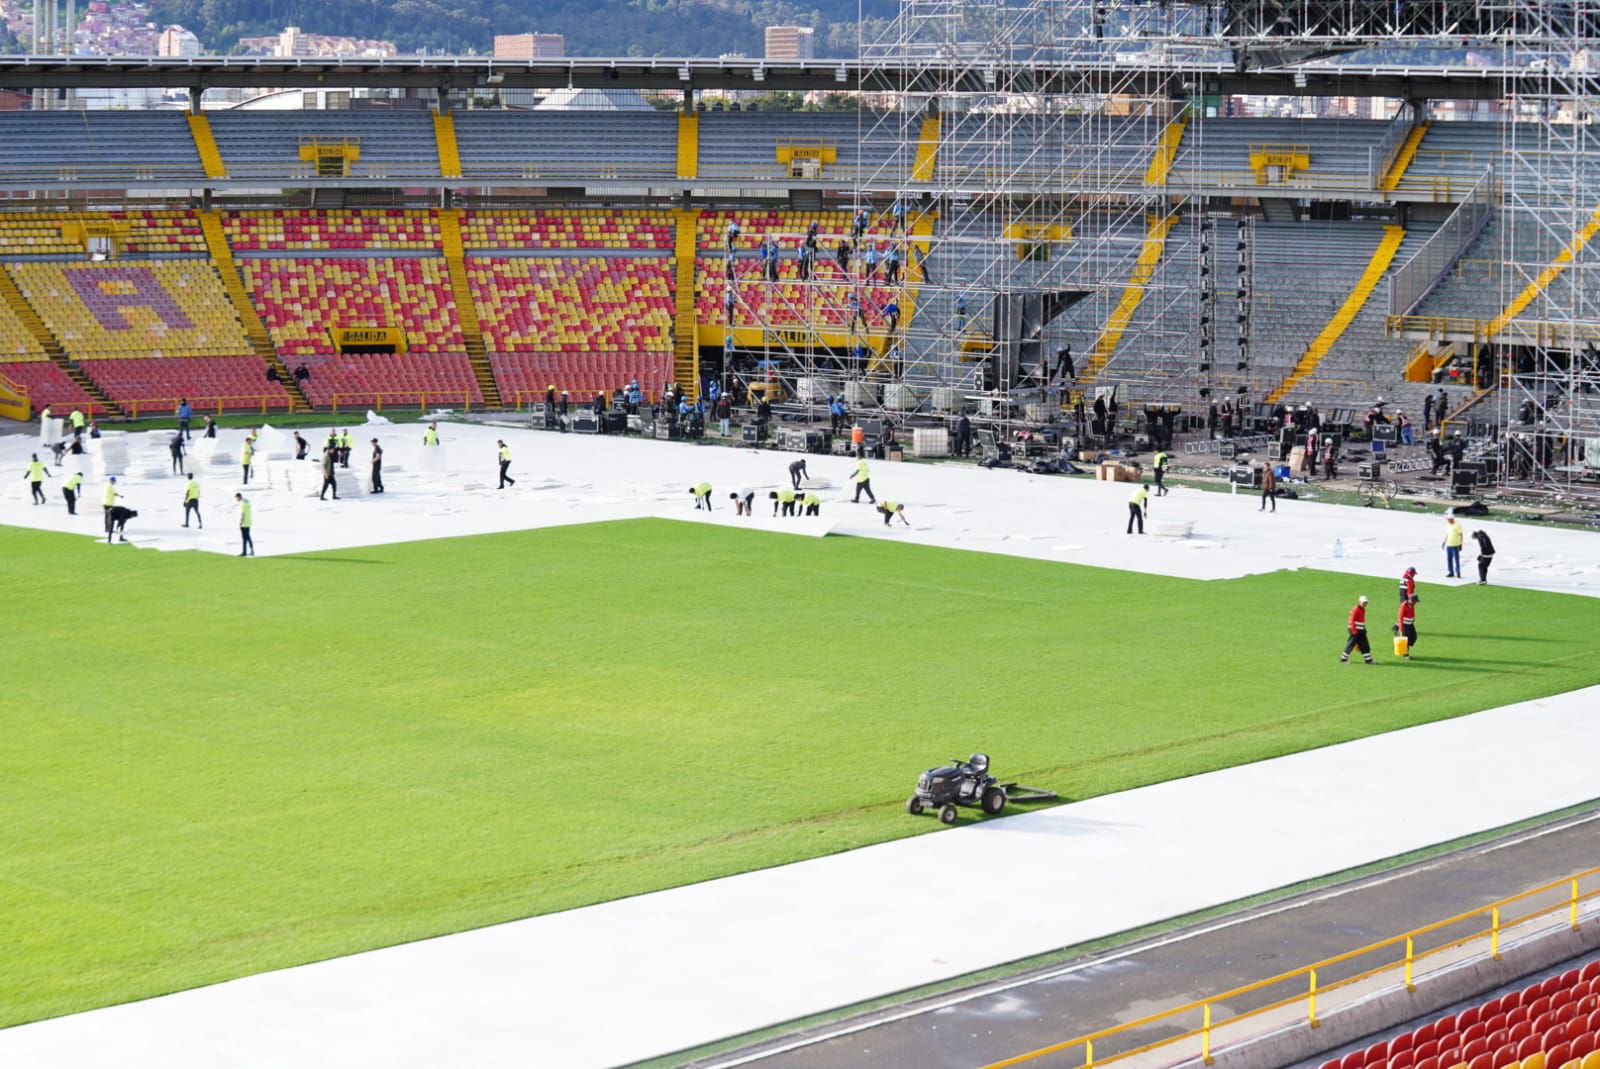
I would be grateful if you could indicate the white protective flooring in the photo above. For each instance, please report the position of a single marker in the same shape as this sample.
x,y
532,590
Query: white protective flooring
x,y
649,975
568,479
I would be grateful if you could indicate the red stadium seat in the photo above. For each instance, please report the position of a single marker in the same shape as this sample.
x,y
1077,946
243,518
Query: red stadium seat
x,y
1428,1049
1400,1060
1478,1030
1469,1017
1483,1061
1519,1031
1402,1042
1422,1034
1428,1063
1530,1046
1590,971
1557,1055
1356,1059
1331,1063
1475,1047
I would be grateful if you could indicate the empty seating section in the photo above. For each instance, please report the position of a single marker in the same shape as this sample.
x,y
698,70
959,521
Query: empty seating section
x,y
1341,152
1101,148
172,308
610,304
392,142
745,144
382,228
52,145
46,383
1552,1024
159,233
376,379
1451,157
207,381
581,324
578,229
302,300
37,234
579,144
16,342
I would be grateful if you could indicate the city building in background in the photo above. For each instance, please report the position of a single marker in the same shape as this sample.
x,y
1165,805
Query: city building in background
x,y
529,46
791,42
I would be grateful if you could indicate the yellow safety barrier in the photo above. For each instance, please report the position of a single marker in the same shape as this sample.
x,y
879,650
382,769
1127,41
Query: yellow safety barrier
x,y
146,407
376,399
1398,954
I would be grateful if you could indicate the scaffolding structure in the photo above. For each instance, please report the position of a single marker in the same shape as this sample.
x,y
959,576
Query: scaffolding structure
x,y
1038,157
1549,378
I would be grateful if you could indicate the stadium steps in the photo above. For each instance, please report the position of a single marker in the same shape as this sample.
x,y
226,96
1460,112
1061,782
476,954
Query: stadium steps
x,y
1521,301
255,331
455,260
1335,327
688,146
922,166
1402,159
50,343
444,134
685,331
1105,346
206,146
1167,151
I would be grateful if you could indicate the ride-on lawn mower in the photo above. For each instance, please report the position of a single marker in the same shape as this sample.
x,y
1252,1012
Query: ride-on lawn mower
x,y
967,783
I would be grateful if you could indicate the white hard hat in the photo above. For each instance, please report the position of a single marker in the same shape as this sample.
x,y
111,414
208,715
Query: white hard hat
x,y
1362,599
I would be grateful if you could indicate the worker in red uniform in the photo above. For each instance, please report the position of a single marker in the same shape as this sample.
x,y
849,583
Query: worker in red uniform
x,y
1407,624
1408,584
1358,633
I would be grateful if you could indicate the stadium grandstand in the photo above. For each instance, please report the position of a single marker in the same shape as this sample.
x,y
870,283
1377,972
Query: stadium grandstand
x,y
598,763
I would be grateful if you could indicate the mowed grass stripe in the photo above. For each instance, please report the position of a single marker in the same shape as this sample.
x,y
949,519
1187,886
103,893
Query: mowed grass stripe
x,y
214,767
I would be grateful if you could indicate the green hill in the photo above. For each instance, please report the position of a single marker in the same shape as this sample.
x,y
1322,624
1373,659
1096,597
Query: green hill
x,y
618,27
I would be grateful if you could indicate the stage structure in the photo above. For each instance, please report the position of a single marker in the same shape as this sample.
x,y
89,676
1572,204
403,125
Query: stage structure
x,y
1548,373
1050,240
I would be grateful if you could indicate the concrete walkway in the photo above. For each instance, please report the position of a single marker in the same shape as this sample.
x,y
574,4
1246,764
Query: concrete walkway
x,y
646,976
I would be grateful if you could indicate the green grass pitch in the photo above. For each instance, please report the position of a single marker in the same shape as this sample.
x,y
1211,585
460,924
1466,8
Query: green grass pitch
x,y
213,767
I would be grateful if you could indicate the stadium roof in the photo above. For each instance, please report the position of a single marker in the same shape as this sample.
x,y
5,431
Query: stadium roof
x,y
204,72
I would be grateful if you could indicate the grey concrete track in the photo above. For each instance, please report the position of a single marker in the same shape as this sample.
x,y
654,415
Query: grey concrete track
x,y
966,1028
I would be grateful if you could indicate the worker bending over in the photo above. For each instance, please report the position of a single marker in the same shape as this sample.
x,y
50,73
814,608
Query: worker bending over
x,y
810,503
783,499
890,510
702,495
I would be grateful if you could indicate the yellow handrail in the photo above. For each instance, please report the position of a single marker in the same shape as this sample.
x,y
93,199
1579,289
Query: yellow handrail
x,y
262,402
1567,903
375,398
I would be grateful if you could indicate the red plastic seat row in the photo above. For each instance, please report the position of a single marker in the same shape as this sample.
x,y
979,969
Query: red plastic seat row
x,y
393,378
46,384
580,374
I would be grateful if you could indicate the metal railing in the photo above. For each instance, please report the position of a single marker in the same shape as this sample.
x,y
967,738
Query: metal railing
x,y
144,407
1382,155
376,399
1553,334
1418,276
1479,931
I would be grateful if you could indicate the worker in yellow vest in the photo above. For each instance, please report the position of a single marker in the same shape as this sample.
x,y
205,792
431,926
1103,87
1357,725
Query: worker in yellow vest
x,y
782,499
1138,504
69,490
811,503
247,545
890,510
247,454
79,422
505,465
191,502
702,496
1161,462
863,480
345,445
35,477
431,435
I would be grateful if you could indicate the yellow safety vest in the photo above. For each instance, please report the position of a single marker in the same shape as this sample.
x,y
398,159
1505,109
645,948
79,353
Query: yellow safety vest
x,y
192,491
244,514
73,482
35,471
505,452
1140,497
110,495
